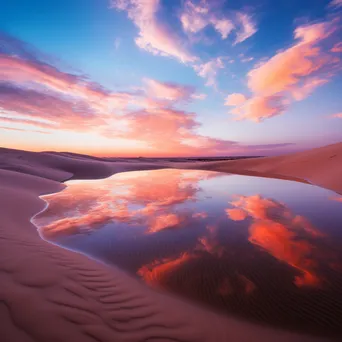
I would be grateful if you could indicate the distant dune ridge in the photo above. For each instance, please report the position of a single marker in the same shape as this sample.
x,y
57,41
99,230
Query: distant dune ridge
x,y
51,294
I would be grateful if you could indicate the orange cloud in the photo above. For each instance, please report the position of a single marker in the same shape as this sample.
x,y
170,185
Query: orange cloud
x,y
260,107
282,234
164,221
290,75
235,99
156,273
236,214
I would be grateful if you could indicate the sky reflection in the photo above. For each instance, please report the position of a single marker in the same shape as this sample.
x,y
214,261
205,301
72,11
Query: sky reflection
x,y
266,250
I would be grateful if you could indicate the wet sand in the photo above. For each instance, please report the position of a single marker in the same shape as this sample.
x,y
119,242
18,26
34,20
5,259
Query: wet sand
x,y
51,294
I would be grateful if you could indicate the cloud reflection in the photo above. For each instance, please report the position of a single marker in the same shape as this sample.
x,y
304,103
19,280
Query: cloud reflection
x,y
288,237
131,197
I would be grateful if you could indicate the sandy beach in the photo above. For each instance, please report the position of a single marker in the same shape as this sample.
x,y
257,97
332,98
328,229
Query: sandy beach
x,y
51,294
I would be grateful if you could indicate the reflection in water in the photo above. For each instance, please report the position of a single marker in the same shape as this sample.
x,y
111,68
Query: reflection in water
x,y
265,250
281,233
82,208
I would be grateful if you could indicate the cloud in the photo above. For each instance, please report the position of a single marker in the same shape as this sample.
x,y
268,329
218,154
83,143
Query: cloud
x,y
38,94
235,99
37,105
223,26
168,129
291,74
289,238
194,18
169,91
197,15
259,108
23,130
163,222
338,115
209,70
335,3
95,203
200,96
236,214
337,47
247,27
154,36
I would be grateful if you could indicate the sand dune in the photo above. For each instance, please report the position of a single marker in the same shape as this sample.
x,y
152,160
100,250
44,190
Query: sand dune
x,y
51,294
320,166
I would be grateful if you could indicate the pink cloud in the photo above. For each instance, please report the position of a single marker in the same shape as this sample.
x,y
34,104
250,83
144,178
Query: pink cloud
x,y
335,3
223,26
23,130
338,115
36,105
247,27
154,36
200,96
168,129
209,70
196,16
168,91
291,66
259,108
40,95
337,47
290,75
235,99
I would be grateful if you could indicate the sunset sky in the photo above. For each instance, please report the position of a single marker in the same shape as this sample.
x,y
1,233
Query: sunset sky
x,y
170,77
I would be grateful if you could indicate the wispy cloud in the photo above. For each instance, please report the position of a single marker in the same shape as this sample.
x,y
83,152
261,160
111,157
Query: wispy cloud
x,y
247,27
169,91
197,15
154,36
335,3
209,70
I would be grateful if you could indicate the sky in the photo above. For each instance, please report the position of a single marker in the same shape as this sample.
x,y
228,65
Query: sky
x,y
170,77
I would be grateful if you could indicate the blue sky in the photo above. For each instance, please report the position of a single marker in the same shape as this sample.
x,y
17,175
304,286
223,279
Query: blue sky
x,y
212,47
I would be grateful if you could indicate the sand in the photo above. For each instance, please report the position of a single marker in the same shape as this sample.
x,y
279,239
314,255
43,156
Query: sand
x,y
51,294
321,166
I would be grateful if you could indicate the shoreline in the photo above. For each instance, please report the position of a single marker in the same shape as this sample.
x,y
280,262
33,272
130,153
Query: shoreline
x,y
51,293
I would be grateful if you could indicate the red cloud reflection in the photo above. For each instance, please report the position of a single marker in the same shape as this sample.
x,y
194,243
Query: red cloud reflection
x,y
133,197
281,233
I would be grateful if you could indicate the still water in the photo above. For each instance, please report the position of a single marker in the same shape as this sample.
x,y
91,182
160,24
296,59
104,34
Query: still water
x,y
260,249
